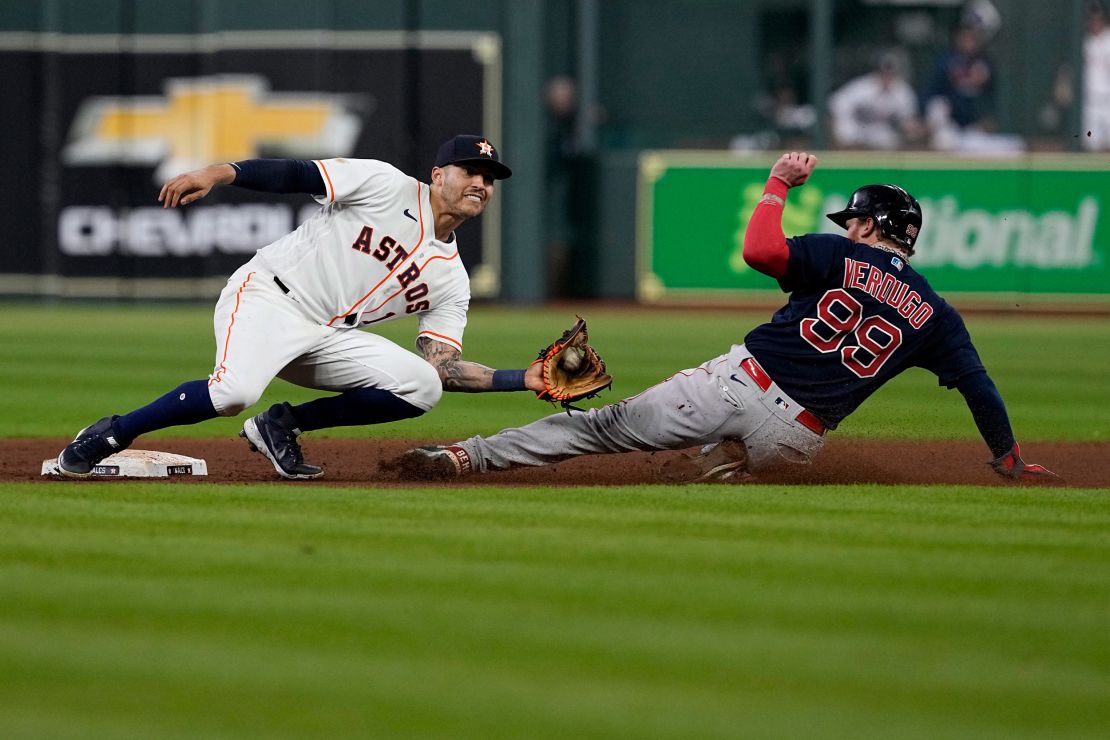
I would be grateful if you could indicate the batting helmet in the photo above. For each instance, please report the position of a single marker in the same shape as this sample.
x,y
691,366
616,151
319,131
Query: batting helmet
x,y
895,211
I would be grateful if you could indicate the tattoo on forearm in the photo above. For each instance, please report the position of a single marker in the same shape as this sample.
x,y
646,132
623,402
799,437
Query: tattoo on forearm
x,y
456,373
437,353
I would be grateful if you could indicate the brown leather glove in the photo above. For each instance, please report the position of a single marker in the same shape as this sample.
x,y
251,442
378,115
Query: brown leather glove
x,y
572,369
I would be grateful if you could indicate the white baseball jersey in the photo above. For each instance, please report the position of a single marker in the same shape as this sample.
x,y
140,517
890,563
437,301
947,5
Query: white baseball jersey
x,y
370,255
1096,94
867,114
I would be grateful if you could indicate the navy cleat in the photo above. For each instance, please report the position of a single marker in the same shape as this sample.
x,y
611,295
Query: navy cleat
x,y
274,433
91,445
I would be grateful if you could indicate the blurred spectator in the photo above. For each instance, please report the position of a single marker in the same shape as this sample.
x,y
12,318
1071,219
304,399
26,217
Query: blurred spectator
x,y
1095,121
877,110
560,97
786,121
960,92
959,97
1053,112
787,114
1096,79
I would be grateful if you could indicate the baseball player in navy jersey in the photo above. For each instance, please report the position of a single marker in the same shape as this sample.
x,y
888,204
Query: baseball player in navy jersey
x,y
858,315
382,247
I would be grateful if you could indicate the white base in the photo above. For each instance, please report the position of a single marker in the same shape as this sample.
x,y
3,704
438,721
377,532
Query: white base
x,y
139,464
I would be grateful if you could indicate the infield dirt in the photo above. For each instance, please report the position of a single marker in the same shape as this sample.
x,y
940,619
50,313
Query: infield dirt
x,y
846,461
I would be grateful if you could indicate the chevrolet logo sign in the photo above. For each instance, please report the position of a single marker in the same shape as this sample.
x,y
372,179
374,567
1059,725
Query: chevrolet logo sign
x,y
203,120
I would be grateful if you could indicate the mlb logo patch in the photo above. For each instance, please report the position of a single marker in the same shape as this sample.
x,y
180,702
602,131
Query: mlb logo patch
x,y
896,262
781,403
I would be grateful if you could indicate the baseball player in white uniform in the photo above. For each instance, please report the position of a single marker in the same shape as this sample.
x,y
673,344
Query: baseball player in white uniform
x,y
381,248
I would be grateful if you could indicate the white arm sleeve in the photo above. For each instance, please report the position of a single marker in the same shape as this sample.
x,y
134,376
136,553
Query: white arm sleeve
x,y
445,323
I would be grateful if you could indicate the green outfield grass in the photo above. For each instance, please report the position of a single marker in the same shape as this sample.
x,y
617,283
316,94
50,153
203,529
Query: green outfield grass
x,y
276,610
64,367
268,611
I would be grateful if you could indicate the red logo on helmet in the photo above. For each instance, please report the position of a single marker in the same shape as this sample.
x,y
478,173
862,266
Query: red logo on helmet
x,y
911,231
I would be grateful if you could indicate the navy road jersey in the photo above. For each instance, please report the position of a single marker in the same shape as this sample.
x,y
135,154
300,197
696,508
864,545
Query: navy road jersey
x,y
857,316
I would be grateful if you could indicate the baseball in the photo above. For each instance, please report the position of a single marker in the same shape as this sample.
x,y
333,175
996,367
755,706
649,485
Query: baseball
x,y
572,359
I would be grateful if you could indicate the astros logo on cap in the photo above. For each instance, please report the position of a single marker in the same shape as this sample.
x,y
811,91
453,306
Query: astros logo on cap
x,y
485,148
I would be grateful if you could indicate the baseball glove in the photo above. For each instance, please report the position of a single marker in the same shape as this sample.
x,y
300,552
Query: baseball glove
x,y
572,369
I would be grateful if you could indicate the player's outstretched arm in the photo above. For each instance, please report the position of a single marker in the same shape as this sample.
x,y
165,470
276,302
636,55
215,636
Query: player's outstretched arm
x,y
989,411
267,175
460,375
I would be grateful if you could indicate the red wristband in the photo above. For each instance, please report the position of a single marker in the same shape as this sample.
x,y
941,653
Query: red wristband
x,y
775,186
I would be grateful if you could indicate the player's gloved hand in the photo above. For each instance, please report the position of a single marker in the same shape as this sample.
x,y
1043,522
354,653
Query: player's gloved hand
x,y
1012,467
570,368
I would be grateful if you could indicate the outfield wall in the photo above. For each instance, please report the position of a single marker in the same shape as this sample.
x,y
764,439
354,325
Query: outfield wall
x,y
101,121
1032,226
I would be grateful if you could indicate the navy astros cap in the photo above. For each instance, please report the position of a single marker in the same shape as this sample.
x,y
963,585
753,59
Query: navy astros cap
x,y
466,148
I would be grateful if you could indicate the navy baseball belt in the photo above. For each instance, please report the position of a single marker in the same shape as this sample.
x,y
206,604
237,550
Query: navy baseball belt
x,y
763,380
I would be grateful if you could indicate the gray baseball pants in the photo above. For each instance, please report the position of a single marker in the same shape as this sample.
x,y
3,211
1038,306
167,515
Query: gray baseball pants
x,y
715,401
